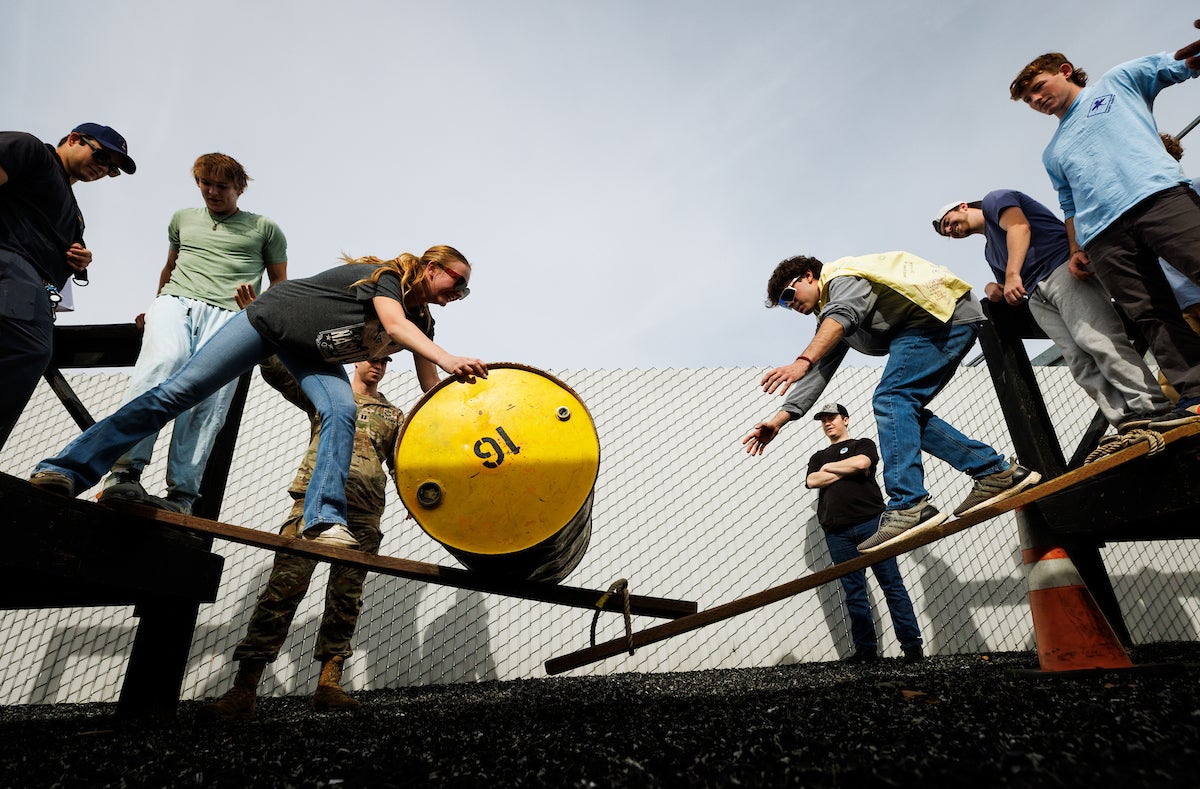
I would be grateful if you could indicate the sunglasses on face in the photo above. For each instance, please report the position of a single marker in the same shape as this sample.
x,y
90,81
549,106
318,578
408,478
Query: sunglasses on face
x,y
102,157
460,282
789,294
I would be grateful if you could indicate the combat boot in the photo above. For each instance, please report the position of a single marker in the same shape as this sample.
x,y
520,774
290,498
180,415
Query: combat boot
x,y
240,701
329,696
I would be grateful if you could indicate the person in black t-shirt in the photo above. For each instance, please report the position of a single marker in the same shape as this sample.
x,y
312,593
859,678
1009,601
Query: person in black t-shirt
x,y
367,309
849,504
41,245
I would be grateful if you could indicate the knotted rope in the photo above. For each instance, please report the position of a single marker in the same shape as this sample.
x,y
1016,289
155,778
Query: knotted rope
x,y
1110,445
619,586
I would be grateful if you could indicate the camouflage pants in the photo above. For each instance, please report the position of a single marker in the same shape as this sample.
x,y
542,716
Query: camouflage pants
x,y
290,576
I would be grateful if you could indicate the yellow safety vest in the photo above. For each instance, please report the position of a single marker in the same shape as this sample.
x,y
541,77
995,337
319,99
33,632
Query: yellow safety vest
x,y
931,287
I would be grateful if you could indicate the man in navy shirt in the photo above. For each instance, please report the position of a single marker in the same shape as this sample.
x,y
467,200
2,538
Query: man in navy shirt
x,y
41,245
1027,250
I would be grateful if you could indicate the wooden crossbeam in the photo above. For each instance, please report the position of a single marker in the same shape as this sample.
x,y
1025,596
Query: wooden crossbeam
x,y
577,597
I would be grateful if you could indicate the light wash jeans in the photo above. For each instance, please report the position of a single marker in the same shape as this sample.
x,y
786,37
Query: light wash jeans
x,y
842,548
921,361
1078,316
236,348
176,327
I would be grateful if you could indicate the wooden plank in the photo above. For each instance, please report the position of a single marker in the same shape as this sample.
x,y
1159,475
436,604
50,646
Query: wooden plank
x,y
63,552
103,345
913,539
420,571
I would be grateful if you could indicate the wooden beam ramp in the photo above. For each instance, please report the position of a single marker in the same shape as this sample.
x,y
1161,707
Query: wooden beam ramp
x,y
385,565
908,542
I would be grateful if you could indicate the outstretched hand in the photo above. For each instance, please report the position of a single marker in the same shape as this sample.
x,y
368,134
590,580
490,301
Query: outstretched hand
x,y
759,437
1191,53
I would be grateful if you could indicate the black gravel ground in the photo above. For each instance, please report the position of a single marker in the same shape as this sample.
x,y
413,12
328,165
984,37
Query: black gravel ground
x,y
948,721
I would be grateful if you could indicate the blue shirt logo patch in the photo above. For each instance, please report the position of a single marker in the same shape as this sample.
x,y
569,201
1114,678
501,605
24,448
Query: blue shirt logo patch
x,y
1101,105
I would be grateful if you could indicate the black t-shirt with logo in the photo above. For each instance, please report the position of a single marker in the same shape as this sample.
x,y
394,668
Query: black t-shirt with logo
x,y
327,317
853,499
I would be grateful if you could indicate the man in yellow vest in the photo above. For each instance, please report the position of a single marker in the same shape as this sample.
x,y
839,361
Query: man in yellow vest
x,y
924,319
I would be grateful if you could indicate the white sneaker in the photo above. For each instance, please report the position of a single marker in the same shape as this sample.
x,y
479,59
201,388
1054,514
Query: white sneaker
x,y
334,534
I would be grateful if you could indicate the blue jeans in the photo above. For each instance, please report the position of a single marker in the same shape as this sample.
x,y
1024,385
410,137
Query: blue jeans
x,y
176,327
858,604
236,348
921,361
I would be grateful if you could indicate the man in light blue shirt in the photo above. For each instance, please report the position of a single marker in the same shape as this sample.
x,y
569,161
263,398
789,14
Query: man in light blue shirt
x,y
1126,201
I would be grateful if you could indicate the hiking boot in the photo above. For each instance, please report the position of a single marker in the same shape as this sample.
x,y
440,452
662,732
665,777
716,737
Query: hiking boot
x,y
53,482
239,702
996,487
893,524
914,654
329,696
333,534
1185,412
123,485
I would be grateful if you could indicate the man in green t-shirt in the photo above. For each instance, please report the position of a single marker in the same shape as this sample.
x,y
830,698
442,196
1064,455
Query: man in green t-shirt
x,y
216,253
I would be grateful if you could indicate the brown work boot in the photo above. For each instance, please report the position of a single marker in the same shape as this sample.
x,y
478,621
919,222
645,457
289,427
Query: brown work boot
x,y
329,696
239,702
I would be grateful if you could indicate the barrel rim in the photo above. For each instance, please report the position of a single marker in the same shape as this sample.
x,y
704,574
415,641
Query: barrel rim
x,y
451,379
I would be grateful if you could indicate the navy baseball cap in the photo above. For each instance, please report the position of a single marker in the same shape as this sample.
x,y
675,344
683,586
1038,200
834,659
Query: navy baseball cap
x,y
109,140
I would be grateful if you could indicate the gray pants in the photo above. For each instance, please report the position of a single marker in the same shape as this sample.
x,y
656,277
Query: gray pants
x,y
1078,316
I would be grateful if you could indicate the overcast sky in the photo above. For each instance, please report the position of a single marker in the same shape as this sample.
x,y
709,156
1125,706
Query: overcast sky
x,y
623,175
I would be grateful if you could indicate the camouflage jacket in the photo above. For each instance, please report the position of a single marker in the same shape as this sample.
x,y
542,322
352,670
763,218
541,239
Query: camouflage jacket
x,y
377,427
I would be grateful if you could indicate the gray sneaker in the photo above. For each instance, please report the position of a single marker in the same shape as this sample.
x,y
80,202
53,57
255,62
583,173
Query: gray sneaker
x,y
334,534
169,503
1136,422
123,485
997,487
894,524
53,482
1178,417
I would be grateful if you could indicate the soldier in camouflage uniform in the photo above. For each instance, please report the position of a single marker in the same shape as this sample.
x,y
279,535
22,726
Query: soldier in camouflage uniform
x,y
378,424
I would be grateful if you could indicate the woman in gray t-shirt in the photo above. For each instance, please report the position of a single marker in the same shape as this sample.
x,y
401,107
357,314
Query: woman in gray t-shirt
x,y
367,309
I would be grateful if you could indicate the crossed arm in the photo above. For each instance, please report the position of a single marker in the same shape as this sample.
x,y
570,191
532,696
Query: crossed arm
x,y
835,470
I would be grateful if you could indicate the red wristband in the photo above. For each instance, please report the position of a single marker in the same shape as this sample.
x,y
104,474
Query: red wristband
x,y
811,363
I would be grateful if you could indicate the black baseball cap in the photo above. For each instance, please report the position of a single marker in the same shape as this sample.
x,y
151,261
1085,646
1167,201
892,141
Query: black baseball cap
x,y
831,408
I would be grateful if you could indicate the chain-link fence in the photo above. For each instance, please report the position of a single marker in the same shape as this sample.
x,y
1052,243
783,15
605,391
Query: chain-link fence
x,y
680,510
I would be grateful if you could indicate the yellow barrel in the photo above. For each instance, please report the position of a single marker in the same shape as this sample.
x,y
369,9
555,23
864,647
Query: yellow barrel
x,y
500,471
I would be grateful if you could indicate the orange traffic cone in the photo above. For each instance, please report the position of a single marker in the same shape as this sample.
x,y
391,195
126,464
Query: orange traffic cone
x,y
1072,632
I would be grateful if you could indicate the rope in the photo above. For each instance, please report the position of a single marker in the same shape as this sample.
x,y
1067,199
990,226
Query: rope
x,y
1110,445
620,586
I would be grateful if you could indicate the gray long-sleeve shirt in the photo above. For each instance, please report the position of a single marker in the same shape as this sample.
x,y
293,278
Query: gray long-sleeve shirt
x,y
869,314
